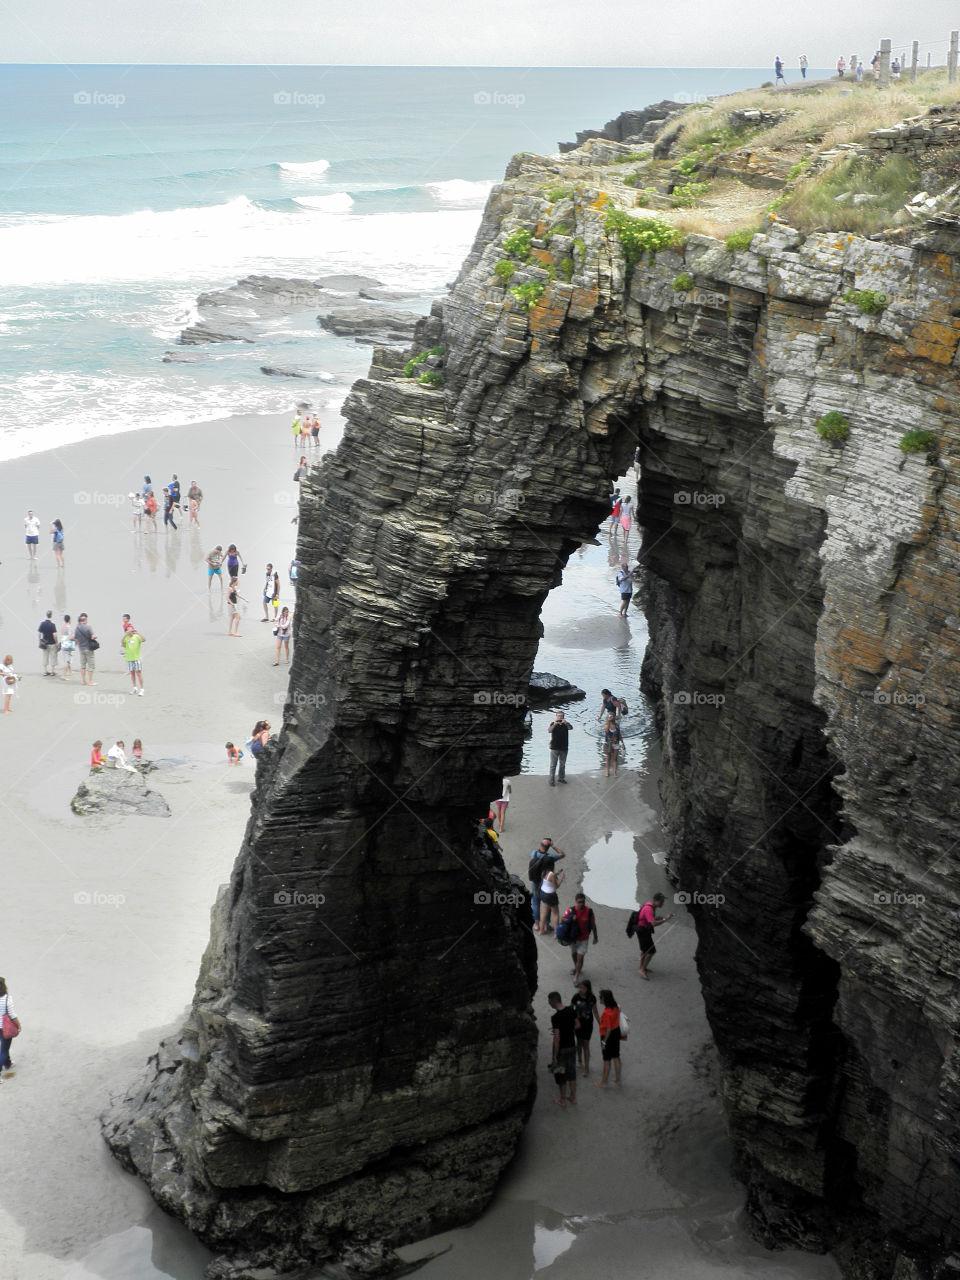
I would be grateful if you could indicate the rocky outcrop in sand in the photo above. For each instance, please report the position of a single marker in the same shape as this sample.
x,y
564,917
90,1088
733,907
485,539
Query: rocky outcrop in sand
x,y
357,1066
111,790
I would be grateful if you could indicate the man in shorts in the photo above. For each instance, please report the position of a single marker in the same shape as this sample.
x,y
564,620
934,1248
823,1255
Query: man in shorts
x,y
214,566
132,640
31,529
83,633
271,594
47,631
647,921
564,1064
625,586
586,924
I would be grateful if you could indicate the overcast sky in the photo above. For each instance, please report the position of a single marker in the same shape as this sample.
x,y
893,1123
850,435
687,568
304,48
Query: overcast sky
x,y
680,33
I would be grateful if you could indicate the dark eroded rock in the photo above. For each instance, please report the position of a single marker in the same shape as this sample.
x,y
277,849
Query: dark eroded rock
x,y
118,791
544,689
370,322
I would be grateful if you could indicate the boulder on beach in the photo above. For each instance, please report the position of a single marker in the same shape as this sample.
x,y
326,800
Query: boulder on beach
x,y
111,790
545,689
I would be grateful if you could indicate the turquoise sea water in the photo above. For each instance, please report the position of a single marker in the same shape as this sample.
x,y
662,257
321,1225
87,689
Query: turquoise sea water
x,y
125,192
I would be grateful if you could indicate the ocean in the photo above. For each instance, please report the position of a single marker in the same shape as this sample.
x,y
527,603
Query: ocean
x,y
127,191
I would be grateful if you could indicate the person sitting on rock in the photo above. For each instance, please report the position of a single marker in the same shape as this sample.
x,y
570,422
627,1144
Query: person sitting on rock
x,y
96,759
117,757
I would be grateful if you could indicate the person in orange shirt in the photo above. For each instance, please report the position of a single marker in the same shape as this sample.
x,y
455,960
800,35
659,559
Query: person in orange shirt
x,y
609,1037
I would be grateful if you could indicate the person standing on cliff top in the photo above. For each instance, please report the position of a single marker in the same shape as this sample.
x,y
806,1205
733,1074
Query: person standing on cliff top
x,y
803,65
559,734
647,921
778,68
841,67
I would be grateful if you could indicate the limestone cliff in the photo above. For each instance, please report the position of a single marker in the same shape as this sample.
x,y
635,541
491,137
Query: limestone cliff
x,y
356,1070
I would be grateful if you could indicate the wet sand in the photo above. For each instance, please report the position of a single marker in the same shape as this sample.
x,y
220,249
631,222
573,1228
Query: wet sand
x,y
107,917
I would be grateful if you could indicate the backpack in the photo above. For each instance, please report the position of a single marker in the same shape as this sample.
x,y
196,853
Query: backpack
x,y
624,709
538,868
58,535
567,929
632,923
624,1025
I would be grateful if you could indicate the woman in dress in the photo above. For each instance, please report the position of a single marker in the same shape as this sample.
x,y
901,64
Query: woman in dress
x,y
67,646
233,604
626,516
234,561
584,1005
283,629
609,1038
7,1011
11,682
550,899
56,533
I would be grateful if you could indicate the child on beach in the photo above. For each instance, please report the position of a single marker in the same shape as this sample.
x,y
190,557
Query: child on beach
x,y
96,759
68,644
234,754
137,749
10,679
136,512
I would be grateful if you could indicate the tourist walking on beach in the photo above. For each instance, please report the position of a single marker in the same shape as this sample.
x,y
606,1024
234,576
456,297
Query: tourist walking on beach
x,y
558,732
647,921
626,518
10,682
803,65
235,562
271,594
132,640
584,1004
9,1027
47,631
545,855
31,530
56,533
174,490
233,604
500,806
282,632
550,898
136,512
150,509
215,566
612,742
194,497
609,1037
296,428
293,573
625,587
315,431
87,644
68,644
616,506
778,68
168,505
586,924
564,1065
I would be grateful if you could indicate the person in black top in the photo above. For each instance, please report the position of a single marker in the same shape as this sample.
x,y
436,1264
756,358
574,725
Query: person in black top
x,y
584,1005
559,732
564,1064
47,631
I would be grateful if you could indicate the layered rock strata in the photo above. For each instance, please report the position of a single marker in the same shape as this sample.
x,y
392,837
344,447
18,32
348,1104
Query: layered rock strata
x,y
355,1072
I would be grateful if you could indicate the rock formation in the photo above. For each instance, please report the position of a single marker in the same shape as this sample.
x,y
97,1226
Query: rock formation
x,y
111,790
357,1065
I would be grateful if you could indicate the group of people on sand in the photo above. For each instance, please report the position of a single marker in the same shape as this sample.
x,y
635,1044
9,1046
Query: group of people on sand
x,y
31,537
116,757
144,506
306,431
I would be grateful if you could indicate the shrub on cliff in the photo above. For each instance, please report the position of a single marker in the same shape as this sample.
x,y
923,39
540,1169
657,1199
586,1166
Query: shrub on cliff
x,y
683,283
430,379
566,269
738,240
870,302
833,427
827,200
517,244
410,368
687,193
916,440
638,236
528,294
504,270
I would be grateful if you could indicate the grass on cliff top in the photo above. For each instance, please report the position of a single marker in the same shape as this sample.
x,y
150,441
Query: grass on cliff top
x,y
890,181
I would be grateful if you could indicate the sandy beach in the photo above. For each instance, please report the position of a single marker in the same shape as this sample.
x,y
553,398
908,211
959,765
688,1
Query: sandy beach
x,y
108,916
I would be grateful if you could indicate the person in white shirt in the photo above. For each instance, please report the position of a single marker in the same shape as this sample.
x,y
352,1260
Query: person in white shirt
x,y
500,806
31,527
117,757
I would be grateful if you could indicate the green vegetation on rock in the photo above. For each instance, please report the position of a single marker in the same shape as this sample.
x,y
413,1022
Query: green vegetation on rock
x,y
639,236
738,240
517,244
833,426
410,368
828,200
870,302
504,270
689,164
430,379
683,283
554,194
917,440
528,294
687,193
566,269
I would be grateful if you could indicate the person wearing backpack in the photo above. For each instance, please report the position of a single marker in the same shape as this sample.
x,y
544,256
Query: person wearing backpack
x,y
584,924
564,1064
647,921
544,856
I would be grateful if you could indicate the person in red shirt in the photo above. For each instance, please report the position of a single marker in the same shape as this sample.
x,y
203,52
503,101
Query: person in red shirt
x,y
586,924
647,921
609,1038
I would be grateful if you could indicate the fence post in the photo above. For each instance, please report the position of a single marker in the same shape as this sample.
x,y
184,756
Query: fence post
x,y
913,60
853,66
952,57
884,64
929,56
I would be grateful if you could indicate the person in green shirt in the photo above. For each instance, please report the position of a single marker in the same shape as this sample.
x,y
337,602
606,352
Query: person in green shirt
x,y
132,640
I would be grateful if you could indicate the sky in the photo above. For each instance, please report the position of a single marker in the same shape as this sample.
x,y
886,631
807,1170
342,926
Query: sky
x,y
682,33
